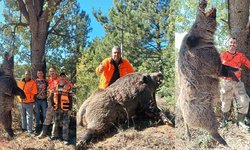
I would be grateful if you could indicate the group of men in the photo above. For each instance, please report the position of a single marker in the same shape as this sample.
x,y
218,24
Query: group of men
x,y
60,104
111,69
60,95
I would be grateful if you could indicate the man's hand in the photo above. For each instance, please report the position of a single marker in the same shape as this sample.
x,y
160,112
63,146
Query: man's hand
x,y
66,86
30,88
52,109
101,68
209,12
69,113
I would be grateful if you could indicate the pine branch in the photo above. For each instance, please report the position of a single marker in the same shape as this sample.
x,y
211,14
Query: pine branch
x,y
56,33
58,21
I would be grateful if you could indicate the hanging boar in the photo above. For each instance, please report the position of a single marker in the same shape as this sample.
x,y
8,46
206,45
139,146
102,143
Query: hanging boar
x,y
8,89
199,67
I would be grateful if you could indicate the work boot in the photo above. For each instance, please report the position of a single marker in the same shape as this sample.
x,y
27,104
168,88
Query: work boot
x,y
66,142
44,131
37,130
241,121
31,134
225,118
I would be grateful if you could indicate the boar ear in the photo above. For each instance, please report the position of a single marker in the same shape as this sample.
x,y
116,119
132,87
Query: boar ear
x,y
192,41
214,13
144,79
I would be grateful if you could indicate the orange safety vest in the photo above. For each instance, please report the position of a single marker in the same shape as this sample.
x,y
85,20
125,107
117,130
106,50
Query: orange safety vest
x,y
53,82
29,94
64,99
124,68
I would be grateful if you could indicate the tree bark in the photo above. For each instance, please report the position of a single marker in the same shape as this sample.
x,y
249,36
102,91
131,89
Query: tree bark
x,y
39,21
238,18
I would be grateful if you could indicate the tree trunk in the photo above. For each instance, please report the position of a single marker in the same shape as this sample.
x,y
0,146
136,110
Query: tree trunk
x,y
238,18
38,15
38,41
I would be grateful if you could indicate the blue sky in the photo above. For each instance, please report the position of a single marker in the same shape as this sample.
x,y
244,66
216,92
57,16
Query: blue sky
x,y
1,10
104,5
87,6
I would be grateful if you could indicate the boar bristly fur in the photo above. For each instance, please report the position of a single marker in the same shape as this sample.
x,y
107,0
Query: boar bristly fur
x,y
123,99
199,67
8,89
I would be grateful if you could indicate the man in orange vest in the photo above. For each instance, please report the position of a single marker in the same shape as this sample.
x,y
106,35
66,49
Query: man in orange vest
x,y
26,106
113,68
61,101
53,80
230,88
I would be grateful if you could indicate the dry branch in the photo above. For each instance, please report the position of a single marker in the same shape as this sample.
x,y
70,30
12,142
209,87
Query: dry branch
x,y
58,21
56,33
224,21
14,24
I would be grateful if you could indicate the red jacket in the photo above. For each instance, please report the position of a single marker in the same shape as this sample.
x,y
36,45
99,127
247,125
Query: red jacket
x,y
234,60
124,68
53,82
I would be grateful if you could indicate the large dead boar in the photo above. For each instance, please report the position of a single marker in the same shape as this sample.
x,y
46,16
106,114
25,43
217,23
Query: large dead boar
x,y
199,67
129,95
8,89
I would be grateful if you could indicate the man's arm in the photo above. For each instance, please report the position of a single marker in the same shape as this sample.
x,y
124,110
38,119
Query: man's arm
x,y
70,102
70,99
99,70
52,101
130,68
70,84
245,61
34,88
222,58
20,85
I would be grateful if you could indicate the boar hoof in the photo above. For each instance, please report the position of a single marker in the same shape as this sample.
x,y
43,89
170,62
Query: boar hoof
x,y
80,145
218,138
168,122
188,137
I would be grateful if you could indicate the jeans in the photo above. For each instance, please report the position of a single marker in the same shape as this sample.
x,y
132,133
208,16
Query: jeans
x,y
40,105
26,115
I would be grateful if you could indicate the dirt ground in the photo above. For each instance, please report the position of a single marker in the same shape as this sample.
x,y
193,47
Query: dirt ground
x,y
142,133
23,141
236,137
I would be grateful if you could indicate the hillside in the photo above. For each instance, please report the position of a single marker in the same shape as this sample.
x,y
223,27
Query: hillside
x,y
141,133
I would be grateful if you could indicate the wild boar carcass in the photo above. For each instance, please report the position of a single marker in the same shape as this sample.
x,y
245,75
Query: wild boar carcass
x,y
126,97
8,89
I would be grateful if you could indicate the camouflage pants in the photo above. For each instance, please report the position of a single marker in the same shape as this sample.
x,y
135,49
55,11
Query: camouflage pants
x,y
231,88
49,115
59,115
